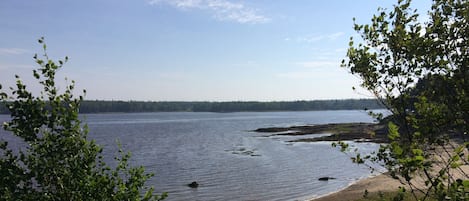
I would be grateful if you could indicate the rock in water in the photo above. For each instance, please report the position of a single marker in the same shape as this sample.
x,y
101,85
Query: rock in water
x,y
325,178
193,184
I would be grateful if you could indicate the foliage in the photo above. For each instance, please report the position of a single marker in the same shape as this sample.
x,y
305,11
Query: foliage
x,y
57,161
419,71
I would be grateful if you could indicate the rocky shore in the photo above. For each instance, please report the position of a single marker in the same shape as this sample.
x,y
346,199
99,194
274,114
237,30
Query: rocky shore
x,y
359,132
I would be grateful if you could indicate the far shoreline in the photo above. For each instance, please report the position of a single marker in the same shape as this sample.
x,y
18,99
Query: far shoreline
x,y
113,106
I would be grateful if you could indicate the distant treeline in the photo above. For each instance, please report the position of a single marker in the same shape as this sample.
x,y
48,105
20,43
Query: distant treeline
x,y
236,106
98,106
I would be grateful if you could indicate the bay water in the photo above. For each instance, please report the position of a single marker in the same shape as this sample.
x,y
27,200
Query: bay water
x,y
221,152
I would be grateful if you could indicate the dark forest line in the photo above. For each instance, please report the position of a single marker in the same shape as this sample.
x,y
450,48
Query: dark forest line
x,y
99,106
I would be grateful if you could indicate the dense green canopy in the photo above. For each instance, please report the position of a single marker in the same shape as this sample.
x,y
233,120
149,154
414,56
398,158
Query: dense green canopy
x,y
420,71
56,161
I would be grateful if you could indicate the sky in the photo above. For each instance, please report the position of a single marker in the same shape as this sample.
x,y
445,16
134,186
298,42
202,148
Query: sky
x,y
189,50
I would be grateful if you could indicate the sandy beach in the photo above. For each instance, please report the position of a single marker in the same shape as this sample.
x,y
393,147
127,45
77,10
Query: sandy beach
x,y
340,132
356,191
384,183
360,131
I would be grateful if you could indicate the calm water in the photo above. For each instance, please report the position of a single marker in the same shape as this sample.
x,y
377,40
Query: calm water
x,y
219,151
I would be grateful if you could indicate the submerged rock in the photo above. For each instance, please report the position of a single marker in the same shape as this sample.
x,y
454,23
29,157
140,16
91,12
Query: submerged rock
x,y
325,178
193,184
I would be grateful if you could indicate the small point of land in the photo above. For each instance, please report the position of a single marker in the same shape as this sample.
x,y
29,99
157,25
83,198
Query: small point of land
x,y
359,132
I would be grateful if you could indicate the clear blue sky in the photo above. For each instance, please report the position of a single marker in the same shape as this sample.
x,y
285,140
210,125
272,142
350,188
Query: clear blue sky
x,y
189,50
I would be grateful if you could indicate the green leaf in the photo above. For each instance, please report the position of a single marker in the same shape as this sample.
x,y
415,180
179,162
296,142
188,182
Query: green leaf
x,y
419,158
455,165
459,149
397,149
465,183
417,152
393,132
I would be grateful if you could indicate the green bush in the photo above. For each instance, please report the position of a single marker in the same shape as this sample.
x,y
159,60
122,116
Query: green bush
x,y
419,71
58,162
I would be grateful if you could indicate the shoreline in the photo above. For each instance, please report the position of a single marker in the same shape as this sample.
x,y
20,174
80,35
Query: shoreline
x,y
357,132
356,190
